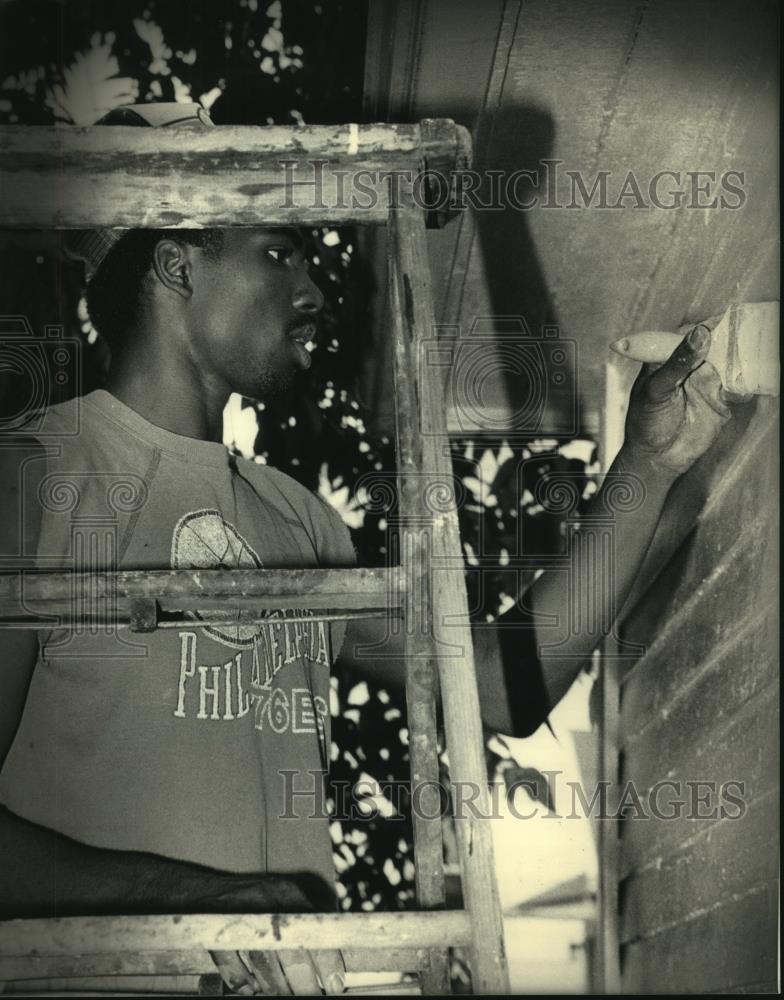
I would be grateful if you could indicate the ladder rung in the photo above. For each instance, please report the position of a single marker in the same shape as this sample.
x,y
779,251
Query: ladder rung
x,y
114,985
195,962
229,175
269,931
201,590
244,618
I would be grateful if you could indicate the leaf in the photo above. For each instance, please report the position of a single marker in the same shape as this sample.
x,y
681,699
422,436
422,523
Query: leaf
x,y
90,86
533,781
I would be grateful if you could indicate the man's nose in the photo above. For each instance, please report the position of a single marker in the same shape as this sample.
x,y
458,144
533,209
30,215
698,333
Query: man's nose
x,y
308,298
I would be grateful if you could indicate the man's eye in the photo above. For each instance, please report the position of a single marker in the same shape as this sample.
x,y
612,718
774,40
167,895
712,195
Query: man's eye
x,y
280,254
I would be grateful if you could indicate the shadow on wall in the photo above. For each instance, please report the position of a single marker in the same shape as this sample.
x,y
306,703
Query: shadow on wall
x,y
523,373
544,391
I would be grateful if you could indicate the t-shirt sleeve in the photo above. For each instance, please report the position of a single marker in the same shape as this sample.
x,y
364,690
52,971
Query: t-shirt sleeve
x,y
333,539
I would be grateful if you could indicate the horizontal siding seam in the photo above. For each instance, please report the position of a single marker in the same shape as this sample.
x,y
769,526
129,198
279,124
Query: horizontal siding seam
x,y
686,609
626,870
736,470
762,695
719,650
700,912
656,864
755,986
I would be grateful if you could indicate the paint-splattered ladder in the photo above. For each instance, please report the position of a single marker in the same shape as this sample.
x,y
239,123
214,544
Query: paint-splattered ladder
x,y
306,176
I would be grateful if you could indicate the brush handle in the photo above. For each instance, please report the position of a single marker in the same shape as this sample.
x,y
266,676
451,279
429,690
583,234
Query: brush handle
x,y
743,348
653,346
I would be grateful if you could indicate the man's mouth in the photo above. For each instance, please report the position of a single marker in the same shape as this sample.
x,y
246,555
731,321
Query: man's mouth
x,y
303,337
304,334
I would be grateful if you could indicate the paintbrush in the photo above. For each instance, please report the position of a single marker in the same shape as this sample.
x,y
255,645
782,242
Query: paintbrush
x,y
743,348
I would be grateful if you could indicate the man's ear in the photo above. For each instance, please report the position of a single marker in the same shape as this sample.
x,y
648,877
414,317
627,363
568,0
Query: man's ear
x,y
172,264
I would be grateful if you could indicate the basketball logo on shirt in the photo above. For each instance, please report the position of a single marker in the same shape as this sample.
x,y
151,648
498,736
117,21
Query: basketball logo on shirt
x,y
203,539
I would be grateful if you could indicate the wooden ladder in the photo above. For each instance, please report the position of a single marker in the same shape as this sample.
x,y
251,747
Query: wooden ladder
x,y
305,176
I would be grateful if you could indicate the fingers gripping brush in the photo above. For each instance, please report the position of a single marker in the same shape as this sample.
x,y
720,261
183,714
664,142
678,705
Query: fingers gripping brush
x,y
743,349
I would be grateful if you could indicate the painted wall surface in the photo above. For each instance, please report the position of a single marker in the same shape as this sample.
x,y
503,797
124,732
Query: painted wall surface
x,y
658,107
699,891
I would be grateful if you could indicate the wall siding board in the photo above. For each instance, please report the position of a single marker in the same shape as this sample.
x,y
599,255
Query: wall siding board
x,y
732,944
698,896
765,986
734,851
696,579
699,697
752,647
745,751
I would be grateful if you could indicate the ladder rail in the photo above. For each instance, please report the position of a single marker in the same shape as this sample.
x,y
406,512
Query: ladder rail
x,y
415,547
425,459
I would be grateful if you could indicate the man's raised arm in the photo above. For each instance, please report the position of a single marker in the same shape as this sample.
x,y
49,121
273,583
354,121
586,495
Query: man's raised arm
x,y
675,414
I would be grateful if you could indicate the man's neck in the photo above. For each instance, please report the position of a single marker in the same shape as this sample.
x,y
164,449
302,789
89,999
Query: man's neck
x,y
169,397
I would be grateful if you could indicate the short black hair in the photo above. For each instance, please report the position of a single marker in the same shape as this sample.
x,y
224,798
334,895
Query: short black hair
x,y
113,294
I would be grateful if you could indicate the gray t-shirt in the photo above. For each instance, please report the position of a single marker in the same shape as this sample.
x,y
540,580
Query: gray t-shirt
x,y
180,742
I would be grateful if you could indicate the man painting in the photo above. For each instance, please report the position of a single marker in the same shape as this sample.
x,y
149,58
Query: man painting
x,y
152,783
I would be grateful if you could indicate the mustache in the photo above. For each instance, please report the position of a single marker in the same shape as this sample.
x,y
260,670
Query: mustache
x,y
304,330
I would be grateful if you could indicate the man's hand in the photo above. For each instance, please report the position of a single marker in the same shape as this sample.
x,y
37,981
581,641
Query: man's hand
x,y
275,973
286,972
52,875
677,410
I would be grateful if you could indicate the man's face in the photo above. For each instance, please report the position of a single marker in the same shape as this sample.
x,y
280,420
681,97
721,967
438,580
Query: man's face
x,y
253,310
